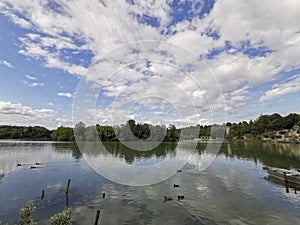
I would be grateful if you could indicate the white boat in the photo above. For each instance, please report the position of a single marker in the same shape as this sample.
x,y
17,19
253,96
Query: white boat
x,y
289,176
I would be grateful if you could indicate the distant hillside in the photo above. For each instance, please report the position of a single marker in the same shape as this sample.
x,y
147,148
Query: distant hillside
x,y
267,128
24,133
285,135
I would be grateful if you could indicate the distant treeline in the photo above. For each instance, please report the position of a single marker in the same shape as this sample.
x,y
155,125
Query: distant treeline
x,y
132,131
262,125
27,133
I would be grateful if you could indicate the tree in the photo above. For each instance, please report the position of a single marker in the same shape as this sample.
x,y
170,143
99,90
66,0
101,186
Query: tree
x,y
79,131
290,121
63,134
91,133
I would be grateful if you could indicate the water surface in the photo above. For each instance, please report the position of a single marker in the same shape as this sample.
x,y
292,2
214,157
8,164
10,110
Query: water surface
x,y
231,191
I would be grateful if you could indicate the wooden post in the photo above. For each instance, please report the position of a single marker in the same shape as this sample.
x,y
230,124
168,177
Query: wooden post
x,y
286,182
67,200
97,217
43,194
295,186
103,194
68,186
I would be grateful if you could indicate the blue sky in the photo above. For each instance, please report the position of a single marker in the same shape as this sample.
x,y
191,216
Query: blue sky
x,y
181,62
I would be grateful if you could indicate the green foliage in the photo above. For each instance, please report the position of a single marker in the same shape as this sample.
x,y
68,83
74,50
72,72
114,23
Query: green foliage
x,y
62,134
264,123
172,134
105,133
79,131
26,213
62,218
21,132
142,132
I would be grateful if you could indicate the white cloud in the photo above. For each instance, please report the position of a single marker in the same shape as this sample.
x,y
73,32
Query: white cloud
x,y
19,109
32,84
22,115
101,28
50,104
278,90
62,94
35,84
5,63
39,51
31,77
269,23
21,22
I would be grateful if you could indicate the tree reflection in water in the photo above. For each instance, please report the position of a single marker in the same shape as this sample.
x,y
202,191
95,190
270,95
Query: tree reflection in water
x,y
1,177
119,150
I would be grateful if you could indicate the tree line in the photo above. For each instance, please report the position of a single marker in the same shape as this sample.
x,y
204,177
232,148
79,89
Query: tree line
x,y
132,131
262,125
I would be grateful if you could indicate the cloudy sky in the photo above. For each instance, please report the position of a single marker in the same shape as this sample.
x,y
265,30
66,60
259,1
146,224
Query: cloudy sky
x,y
182,62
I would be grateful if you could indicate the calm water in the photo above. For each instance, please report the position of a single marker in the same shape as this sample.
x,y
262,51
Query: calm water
x,y
231,191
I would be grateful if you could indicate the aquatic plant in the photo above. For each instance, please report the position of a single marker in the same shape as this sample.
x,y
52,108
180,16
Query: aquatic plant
x,y
61,218
26,213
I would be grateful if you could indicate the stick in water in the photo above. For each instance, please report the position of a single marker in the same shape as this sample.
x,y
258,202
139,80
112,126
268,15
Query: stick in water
x,y
68,186
97,217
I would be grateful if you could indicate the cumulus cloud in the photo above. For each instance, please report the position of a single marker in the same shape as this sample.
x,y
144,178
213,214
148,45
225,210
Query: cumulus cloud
x,y
19,109
22,115
242,44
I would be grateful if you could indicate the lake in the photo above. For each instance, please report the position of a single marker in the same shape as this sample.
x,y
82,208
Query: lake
x,y
232,190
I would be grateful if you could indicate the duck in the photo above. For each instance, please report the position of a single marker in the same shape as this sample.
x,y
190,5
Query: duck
x,y
180,197
168,198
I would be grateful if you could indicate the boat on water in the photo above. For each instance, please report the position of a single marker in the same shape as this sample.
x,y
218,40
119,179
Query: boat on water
x,y
289,177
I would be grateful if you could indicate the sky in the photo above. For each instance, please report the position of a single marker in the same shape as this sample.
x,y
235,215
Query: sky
x,y
181,62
